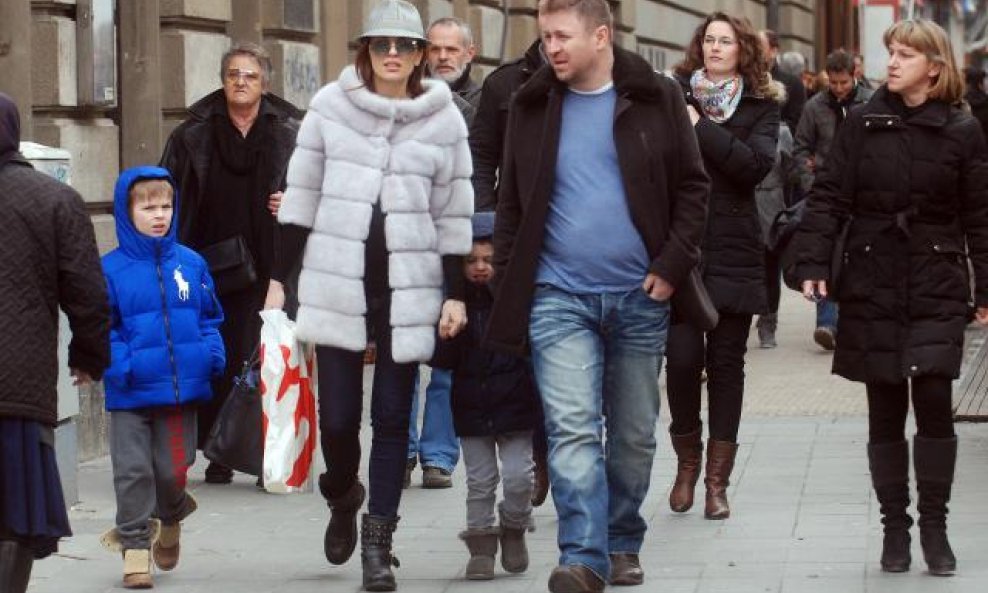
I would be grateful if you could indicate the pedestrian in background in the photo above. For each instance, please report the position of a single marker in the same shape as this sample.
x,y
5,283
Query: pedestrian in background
x,y
165,349
494,410
823,116
909,174
975,95
734,106
229,159
48,261
379,200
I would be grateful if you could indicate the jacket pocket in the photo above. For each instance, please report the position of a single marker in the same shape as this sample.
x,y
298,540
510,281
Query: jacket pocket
x,y
947,274
857,282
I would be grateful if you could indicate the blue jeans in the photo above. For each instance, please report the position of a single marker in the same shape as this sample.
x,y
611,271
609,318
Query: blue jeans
x,y
438,445
826,314
594,358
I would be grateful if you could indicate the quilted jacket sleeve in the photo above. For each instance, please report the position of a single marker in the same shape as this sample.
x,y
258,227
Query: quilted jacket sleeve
x,y
210,318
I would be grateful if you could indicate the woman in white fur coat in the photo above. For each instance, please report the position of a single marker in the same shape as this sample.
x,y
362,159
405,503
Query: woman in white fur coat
x,y
379,198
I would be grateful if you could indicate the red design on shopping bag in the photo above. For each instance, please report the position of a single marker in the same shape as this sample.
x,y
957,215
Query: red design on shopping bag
x,y
289,411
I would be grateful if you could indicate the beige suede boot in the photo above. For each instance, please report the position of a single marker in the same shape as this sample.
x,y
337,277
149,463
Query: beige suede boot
x,y
137,569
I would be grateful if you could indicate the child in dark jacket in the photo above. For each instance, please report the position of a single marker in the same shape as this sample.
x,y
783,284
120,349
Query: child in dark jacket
x,y
165,349
494,401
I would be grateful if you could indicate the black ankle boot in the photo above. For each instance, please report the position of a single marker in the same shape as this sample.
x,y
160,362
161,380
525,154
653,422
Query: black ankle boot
x,y
15,566
375,553
934,460
889,463
341,533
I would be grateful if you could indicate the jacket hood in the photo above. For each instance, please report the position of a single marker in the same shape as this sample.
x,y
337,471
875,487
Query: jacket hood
x,y
633,78
10,129
132,242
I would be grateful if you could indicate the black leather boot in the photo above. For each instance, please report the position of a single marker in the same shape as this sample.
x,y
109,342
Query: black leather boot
x,y
934,460
16,560
889,463
341,533
375,552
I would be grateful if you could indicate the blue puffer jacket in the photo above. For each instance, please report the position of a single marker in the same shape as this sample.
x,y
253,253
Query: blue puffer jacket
x,y
165,340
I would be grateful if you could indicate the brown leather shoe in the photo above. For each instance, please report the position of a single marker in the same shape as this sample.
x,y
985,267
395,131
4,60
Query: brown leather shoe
x,y
541,490
720,464
626,569
574,578
689,451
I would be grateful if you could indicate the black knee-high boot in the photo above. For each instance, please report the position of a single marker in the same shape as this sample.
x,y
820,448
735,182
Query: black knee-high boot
x,y
375,552
934,460
889,463
16,560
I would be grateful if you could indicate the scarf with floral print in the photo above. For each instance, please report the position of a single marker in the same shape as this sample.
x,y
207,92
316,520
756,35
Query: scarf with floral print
x,y
718,99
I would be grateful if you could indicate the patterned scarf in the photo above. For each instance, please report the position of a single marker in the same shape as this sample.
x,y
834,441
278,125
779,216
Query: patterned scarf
x,y
718,99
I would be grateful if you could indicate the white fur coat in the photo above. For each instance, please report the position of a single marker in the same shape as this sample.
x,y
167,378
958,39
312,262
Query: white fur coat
x,y
354,148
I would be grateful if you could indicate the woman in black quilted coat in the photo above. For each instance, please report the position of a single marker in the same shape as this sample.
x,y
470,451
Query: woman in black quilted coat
x,y
735,108
909,174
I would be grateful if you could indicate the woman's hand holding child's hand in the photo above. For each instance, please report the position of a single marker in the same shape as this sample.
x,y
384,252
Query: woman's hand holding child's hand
x,y
453,319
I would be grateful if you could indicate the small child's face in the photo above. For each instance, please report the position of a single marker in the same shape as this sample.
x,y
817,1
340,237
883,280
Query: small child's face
x,y
152,214
477,266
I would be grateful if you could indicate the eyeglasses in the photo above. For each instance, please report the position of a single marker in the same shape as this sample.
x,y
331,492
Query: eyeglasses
x,y
235,74
401,45
724,41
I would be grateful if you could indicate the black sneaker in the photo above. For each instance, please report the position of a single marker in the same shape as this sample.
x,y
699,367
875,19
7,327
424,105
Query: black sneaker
x,y
218,474
825,337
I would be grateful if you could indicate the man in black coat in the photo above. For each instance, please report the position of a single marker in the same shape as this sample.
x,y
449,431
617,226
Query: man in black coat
x,y
451,50
48,260
976,97
792,110
230,158
600,216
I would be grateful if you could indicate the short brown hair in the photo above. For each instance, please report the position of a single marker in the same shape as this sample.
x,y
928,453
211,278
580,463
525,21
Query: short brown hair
x,y
751,64
145,189
930,39
365,69
594,13
840,61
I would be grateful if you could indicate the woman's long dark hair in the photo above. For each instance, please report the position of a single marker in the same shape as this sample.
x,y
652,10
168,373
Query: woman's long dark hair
x,y
362,62
751,61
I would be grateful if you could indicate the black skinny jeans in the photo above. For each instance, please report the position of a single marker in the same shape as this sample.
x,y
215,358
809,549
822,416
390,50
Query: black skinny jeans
x,y
888,406
722,354
341,375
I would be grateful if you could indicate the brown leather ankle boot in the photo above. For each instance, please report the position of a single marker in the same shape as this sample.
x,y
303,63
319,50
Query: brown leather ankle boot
x,y
689,451
720,464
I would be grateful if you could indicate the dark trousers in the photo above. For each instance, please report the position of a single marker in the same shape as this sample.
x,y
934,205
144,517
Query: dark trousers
x,y
721,351
888,406
773,281
340,407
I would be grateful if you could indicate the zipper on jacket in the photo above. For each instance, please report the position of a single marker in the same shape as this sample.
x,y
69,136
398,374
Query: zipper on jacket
x,y
168,326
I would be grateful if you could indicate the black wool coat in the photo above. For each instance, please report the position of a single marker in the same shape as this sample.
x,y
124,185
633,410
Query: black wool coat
x,y
915,183
664,181
492,393
737,154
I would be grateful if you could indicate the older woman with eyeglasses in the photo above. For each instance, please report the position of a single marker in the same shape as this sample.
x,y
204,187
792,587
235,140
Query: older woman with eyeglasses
x,y
379,199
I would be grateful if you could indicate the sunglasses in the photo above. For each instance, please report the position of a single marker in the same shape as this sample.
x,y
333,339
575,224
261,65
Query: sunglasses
x,y
235,74
400,45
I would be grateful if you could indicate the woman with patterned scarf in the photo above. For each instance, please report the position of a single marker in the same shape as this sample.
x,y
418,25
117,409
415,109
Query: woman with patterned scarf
x,y
735,108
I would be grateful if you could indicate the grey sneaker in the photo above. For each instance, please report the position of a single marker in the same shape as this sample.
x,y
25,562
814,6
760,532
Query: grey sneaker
x,y
436,477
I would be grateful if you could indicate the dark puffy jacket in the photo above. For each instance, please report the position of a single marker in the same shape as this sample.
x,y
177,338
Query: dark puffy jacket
x,y
817,129
492,393
737,155
165,341
916,184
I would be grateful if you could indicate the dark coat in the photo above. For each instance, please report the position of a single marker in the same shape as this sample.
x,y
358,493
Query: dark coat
x,y
916,185
664,181
491,121
816,131
792,108
190,147
466,94
492,393
737,154
48,260
978,101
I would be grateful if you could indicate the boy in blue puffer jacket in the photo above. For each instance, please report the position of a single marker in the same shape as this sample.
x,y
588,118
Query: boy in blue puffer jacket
x,y
165,349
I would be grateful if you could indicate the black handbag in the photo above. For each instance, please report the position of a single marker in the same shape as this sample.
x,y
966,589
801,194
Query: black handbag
x,y
236,438
230,264
692,302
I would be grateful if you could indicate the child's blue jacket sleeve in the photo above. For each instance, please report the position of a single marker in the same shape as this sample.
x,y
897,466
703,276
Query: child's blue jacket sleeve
x,y
210,318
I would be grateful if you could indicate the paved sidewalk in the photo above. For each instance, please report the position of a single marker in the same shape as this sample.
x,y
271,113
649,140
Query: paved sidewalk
x,y
804,521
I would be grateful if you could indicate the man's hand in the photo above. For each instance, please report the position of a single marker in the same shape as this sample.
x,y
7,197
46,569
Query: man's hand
x,y
453,319
981,316
274,202
815,290
80,377
275,298
694,114
657,288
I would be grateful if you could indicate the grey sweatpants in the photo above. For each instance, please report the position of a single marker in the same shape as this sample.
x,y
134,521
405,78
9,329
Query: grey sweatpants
x,y
480,456
151,450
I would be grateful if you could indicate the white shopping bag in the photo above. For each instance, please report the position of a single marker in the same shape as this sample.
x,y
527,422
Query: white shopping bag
x,y
289,405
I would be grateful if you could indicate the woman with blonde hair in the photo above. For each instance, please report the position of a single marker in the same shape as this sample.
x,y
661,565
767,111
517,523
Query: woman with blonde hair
x,y
907,180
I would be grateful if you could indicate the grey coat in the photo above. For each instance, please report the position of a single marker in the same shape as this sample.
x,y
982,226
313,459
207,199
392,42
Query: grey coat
x,y
815,133
770,194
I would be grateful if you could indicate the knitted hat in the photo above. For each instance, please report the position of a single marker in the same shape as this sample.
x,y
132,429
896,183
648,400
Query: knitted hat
x,y
394,18
483,225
